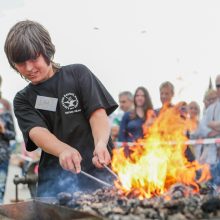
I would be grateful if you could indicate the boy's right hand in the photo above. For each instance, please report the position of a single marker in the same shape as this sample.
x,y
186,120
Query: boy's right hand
x,y
70,160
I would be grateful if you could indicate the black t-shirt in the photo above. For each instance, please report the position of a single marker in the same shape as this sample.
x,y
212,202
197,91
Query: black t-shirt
x,y
63,104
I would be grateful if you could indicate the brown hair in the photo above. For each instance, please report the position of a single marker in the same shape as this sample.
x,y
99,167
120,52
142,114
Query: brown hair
x,y
167,84
147,103
26,40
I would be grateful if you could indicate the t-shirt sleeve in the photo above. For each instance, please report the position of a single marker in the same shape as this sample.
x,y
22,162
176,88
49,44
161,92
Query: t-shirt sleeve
x,y
28,117
93,93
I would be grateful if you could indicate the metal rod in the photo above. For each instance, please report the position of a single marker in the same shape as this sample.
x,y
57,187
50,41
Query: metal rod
x,y
110,171
96,179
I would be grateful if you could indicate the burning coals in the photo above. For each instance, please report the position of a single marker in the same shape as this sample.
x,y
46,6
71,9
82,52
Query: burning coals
x,y
155,179
111,204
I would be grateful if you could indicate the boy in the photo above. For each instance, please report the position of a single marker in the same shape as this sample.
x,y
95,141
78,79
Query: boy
x,y
63,111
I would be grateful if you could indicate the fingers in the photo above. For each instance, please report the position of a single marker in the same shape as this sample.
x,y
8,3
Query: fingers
x,y
101,158
70,160
76,162
96,162
107,158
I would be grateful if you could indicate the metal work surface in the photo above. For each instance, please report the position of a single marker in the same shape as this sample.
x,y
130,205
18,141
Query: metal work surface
x,y
35,210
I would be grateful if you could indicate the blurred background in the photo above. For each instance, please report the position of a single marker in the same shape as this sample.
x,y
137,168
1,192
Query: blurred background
x,y
126,43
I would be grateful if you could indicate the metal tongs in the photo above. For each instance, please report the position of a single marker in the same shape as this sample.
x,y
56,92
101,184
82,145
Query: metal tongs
x,y
111,171
96,179
99,180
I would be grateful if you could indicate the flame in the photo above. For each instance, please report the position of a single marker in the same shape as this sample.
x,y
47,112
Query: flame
x,y
153,164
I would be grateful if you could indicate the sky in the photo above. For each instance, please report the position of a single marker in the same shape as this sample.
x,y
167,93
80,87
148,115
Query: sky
x,y
126,43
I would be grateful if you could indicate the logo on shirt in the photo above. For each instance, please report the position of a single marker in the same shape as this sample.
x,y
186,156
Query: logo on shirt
x,y
70,101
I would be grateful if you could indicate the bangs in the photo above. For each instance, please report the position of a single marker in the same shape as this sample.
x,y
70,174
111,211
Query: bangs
x,y
27,40
24,50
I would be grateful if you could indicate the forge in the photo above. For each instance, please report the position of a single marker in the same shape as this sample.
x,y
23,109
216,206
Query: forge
x,y
112,204
154,180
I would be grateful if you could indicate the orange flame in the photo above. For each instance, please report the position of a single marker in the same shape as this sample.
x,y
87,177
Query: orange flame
x,y
152,165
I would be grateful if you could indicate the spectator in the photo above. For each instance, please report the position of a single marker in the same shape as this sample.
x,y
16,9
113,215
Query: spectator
x,y
125,101
201,151
209,127
5,102
193,116
209,98
132,121
192,124
7,133
183,110
114,132
125,105
166,95
7,107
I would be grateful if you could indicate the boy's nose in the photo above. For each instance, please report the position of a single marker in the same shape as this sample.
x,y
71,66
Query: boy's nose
x,y
29,65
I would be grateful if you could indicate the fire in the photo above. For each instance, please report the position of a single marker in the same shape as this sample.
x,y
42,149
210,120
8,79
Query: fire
x,y
155,163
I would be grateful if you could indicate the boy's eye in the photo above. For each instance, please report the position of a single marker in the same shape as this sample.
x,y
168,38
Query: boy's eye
x,y
37,56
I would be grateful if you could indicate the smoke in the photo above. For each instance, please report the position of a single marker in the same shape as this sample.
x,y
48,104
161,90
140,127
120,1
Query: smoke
x,y
50,185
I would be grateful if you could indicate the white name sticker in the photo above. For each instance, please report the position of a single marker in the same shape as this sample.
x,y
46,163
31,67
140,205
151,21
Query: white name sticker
x,y
46,103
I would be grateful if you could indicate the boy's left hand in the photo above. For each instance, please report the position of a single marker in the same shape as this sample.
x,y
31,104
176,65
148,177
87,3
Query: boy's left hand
x,y
101,156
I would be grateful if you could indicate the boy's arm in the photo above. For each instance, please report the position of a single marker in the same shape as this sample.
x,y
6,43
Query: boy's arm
x,y
69,157
100,126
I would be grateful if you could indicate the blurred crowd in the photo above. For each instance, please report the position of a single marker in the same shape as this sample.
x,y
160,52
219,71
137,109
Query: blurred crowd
x,y
136,114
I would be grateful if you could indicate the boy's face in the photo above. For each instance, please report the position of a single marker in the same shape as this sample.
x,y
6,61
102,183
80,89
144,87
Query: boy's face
x,y
35,70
